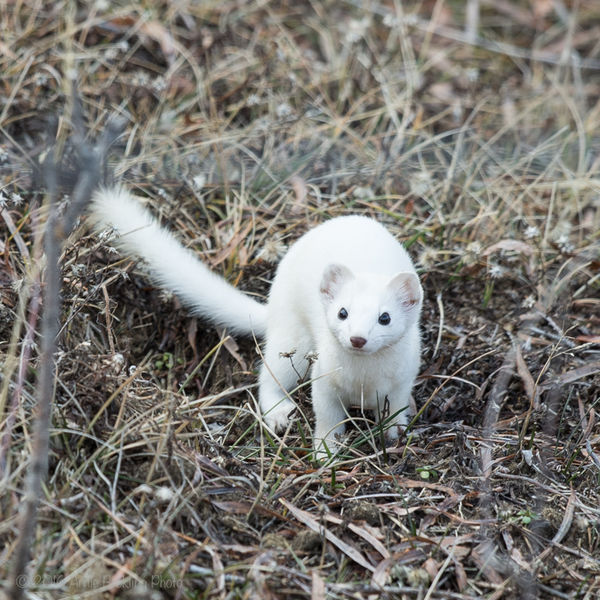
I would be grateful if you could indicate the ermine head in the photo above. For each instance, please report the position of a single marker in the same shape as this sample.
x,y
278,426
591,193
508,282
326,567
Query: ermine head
x,y
367,312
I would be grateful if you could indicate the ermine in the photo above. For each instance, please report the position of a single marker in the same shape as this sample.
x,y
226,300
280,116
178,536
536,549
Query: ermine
x,y
344,306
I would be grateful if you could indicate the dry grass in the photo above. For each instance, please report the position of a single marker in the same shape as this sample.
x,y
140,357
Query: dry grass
x,y
475,140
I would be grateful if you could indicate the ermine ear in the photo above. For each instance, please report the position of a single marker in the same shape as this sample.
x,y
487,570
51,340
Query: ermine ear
x,y
407,290
334,277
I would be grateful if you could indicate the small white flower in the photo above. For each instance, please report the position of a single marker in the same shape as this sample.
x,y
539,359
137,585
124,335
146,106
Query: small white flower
x,y
428,257
140,79
78,270
164,494
40,79
474,247
253,100
528,302
532,232
564,244
111,53
2,200
16,199
273,249
363,193
311,357
420,183
160,84
283,110
356,29
118,359
199,181
106,234
390,20
457,110
472,253
472,74
166,296
204,241
495,271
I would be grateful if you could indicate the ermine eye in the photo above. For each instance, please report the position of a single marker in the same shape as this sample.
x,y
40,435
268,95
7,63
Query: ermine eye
x,y
343,314
384,318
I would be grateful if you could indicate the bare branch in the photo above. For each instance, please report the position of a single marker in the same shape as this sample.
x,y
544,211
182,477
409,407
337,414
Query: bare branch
x,y
57,229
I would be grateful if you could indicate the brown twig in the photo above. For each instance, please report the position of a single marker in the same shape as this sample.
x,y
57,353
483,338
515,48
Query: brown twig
x,y
38,466
56,231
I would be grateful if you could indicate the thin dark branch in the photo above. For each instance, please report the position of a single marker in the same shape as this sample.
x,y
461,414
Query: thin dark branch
x,y
91,164
38,467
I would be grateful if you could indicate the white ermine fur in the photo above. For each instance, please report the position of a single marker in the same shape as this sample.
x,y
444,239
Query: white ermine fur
x,y
345,292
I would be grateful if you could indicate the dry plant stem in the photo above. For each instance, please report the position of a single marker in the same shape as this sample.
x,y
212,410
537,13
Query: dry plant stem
x,y
33,296
57,230
34,308
492,411
38,467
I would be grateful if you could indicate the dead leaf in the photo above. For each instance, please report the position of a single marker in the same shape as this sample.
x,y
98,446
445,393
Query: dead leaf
x,y
235,243
307,519
461,575
366,532
588,339
519,15
155,30
245,508
232,347
442,91
218,570
525,375
300,193
483,557
159,33
4,49
511,245
382,571
542,8
403,512
565,525
191,336
573,375
432,567
517,557
15,234
318,587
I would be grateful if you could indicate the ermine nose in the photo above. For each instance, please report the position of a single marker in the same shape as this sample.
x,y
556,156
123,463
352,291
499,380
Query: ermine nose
x,y
357,342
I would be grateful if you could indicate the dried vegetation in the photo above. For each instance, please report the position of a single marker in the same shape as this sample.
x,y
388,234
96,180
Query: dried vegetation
x,y
472,131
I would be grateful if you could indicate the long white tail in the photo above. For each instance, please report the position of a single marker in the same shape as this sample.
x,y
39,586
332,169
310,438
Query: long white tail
x,y
174,267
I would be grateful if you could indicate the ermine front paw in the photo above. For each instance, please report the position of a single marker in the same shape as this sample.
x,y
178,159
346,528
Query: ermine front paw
x,y
278,417
395,429
393,433
325,449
